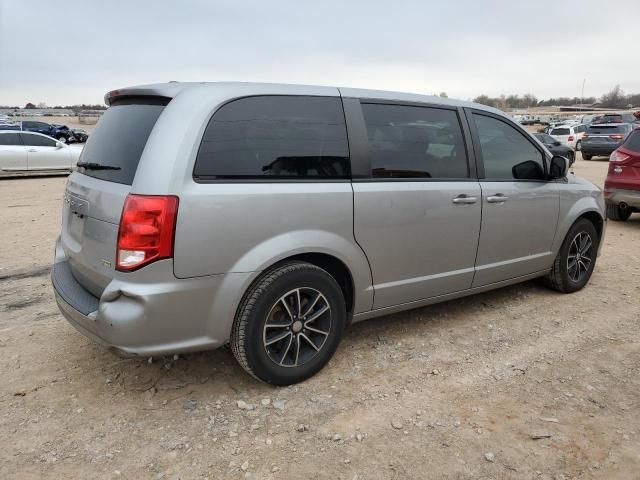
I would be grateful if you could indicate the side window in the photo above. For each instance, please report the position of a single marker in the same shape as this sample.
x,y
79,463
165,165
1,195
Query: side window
x,y
414,142
37,140
270,137
506,153
27,125
10,139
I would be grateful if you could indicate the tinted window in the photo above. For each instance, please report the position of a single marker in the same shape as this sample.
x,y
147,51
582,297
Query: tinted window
x,y
10,139
633,141
37,140
272,137
415,142
506,153
120,137
28,124
544,138
560,131
607,129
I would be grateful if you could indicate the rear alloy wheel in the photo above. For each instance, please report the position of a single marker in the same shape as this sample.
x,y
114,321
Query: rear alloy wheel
x,y
576,259
62,139
578,145
617,213
289,324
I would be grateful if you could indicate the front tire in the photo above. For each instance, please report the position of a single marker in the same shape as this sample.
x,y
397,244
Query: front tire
x,y
576,259
289,323
615,212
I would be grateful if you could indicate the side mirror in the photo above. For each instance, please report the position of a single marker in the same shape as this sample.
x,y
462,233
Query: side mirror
x,y
59,145
558,167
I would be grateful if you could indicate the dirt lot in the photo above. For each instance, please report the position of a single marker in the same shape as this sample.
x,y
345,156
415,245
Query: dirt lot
x,y
458,390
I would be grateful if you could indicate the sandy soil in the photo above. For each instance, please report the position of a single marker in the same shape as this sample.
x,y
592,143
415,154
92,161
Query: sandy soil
x,y
518,383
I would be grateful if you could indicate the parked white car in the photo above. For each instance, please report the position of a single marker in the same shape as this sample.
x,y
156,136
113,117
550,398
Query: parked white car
x,y
569,135
23,153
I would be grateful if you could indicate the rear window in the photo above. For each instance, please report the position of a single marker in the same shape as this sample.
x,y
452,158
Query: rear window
x,y
607,129
271,137
120,137
414,142
633,141
560,131
9,139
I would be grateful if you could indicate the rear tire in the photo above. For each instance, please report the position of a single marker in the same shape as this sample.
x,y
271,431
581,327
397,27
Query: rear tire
x,y
576,259
289,323
578,145
614,212
586,156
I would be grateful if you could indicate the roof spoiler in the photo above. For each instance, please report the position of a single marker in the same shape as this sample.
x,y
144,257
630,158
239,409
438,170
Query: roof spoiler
x,y
166,90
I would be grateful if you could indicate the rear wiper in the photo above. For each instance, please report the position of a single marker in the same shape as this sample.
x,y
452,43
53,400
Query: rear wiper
x,y
96,166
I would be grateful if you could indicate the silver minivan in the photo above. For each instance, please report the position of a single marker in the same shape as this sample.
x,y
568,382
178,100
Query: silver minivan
x,y
272,216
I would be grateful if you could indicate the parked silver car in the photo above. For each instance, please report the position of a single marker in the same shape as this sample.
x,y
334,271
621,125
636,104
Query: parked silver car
x,y
272,216
29,153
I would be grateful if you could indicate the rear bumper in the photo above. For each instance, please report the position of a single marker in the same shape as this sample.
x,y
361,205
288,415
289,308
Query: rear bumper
x,y
615,197
150,313
604,150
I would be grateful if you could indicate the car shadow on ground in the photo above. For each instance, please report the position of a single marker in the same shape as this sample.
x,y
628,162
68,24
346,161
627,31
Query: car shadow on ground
x,y
216,373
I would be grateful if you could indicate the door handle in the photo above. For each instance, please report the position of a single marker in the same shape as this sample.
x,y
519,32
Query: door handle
x,y
32,150
464,199
497,198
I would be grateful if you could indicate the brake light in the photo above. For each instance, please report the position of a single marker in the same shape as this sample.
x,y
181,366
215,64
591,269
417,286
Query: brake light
x,y
616,137
147,229
570,139
617,157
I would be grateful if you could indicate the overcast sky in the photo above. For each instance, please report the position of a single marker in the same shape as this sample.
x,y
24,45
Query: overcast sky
x,y
73,52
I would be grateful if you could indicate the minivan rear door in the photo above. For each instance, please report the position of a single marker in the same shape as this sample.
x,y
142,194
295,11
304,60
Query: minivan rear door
x,y
417,203
95,194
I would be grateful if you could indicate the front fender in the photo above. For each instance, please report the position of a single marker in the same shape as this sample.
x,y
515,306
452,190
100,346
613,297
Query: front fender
x,y
573,205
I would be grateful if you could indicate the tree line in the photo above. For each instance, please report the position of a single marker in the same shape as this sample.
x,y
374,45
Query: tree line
x,y
616,98
42,105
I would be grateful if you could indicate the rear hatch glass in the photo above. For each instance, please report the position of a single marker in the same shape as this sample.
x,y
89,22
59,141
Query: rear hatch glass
x,y
606,129
120,138
560,131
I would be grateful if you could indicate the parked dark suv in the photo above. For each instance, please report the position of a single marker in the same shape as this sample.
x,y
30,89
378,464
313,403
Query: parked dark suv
x,y
59,132
603,138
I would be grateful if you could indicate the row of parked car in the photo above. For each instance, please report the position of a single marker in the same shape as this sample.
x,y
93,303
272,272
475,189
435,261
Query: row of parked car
x,y
600,137
61,133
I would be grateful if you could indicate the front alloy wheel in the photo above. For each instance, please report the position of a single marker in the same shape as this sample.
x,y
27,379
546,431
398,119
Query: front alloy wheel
x,y
580,255
576,259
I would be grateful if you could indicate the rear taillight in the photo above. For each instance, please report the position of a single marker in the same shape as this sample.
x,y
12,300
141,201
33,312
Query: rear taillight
x,y
147,228
618,157
616,137
570,139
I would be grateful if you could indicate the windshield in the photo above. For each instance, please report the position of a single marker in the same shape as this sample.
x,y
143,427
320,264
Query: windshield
x,y
119,139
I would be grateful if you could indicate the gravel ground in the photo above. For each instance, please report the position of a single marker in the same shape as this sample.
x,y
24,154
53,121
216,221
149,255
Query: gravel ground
x,y
521,382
